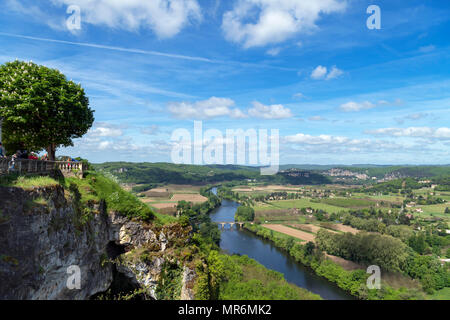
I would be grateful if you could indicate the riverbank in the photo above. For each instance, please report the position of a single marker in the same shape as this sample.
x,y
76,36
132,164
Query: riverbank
x,y
353,282
242,242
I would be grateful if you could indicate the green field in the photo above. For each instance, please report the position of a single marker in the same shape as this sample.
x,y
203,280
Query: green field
x,y
389,198
437,210
353,203
299,203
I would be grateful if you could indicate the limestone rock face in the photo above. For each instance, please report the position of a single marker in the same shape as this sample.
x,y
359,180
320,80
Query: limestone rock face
x,y
41,236
143,274
187,292
131,233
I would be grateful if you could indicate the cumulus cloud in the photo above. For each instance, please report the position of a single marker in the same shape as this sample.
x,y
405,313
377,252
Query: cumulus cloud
x,y
105,130
329,144
165,18
334,73
301,138
321,72
353,106
255,23
412,117
205,109
396,102
356,106
275,111
224,107
414,132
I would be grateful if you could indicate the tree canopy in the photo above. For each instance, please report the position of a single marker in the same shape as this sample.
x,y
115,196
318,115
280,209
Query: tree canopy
x,y
244,213
40,108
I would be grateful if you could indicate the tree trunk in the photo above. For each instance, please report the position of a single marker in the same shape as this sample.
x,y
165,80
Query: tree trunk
x,y
51,150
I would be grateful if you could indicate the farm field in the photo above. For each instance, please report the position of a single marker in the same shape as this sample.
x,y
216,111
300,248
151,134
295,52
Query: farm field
x,y
270,188
306,227
298,203
190,197
167,197
352,203
436,210
304,236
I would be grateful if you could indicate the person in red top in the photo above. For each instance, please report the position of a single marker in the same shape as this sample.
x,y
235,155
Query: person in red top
x,y
32,156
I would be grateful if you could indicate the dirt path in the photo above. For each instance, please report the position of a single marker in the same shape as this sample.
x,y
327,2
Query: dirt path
x,y
307,227
291,232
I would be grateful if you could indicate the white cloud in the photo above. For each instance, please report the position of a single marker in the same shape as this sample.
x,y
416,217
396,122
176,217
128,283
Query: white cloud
x,y
105,130
356,106
205,109
412,117
319,73
254,23
165,18
443,133
353,106
415,132
224,107
328,144
301,138
299,95
276,111
396,102
334,73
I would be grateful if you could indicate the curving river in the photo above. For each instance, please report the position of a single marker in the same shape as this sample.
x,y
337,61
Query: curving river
x,y
236,241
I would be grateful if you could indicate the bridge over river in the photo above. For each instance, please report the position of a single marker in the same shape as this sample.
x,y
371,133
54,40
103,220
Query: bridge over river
x,y
225,223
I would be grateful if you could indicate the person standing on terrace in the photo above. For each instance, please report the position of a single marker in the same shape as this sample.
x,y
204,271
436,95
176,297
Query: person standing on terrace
x,y
2,151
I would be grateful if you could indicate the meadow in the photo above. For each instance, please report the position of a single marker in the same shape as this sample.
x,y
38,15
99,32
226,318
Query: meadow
x,y
297,203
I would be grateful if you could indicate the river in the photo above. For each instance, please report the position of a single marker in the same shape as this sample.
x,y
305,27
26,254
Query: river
x,y
244,242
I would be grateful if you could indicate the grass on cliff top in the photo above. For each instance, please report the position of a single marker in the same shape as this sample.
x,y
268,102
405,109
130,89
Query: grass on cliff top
x,y
27,182
96,187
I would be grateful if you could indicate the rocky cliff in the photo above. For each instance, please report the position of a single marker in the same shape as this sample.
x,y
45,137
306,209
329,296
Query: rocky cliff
x,y
45,236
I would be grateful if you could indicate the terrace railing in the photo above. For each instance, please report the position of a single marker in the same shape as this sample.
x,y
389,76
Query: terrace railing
x,y
26,166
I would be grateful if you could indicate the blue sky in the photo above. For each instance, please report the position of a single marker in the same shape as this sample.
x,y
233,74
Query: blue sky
x,y
337,91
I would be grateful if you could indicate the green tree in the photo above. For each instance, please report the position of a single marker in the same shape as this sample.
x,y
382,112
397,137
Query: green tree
x,y
40,108
244,213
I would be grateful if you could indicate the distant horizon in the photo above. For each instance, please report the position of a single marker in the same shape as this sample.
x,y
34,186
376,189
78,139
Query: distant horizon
x,y
290,164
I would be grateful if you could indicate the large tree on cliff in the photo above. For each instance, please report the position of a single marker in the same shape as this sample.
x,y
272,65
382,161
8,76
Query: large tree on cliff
x,y
40,108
